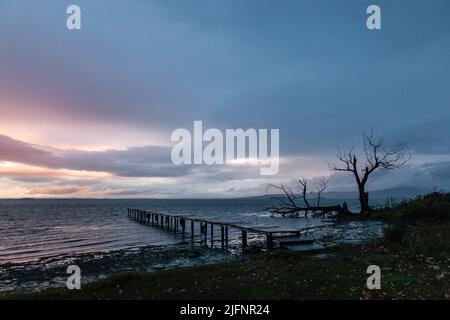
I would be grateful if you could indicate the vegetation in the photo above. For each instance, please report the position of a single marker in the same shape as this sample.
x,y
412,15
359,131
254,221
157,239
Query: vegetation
x,y
422,225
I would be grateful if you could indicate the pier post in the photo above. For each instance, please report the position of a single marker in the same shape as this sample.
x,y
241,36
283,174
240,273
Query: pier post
x,y
192,231
205,234
183,225
226,237
244,239
222,236
201,233
212,235
269,241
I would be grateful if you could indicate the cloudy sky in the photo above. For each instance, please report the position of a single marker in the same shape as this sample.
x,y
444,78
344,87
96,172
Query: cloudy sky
x,y
89,113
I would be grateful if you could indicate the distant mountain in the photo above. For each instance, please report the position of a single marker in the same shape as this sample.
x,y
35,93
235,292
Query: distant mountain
x,y
397,193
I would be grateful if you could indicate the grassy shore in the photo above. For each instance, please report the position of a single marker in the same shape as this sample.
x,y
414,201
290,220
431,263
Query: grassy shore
x,y
414,259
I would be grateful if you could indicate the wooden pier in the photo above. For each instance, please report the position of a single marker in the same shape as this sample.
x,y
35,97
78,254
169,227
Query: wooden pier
x,y
179,223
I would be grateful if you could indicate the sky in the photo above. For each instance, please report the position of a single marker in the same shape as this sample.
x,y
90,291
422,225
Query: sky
x,y
90,112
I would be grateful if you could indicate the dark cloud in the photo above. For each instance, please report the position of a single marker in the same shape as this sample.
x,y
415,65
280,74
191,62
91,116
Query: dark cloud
x,y
311,69
147,161
441,171
428,136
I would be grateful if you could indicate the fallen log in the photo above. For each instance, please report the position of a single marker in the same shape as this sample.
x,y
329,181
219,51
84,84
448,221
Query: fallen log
x,y
316,210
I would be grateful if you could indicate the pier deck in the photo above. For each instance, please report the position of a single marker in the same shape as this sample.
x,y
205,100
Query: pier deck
x,y
180,222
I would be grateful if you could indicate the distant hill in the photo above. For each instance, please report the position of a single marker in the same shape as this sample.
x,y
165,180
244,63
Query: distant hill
x,y
397,193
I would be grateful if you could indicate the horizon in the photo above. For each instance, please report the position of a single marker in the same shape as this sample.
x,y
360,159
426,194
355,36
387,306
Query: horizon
x,y
405,192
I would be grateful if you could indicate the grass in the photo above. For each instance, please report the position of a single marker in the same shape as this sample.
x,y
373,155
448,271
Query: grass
x,y
279,274
422,225
414,259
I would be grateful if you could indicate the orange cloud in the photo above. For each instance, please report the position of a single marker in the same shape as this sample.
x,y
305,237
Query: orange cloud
x,y
22,172
82,191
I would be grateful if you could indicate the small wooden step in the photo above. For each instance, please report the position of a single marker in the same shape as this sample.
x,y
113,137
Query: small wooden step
x,y
285,241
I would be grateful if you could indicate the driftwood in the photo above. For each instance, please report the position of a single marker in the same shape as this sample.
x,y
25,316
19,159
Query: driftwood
x,y
320,211
288,203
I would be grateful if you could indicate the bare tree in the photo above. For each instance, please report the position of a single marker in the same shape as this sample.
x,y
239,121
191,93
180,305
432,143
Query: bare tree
x,y
289,203
303,188
378,155
321,187
286,202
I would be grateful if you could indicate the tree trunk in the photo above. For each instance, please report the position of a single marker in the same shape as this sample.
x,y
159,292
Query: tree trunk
x,y
364,200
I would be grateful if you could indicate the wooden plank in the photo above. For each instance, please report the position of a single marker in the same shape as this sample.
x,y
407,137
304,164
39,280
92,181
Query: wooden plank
x,y
294,240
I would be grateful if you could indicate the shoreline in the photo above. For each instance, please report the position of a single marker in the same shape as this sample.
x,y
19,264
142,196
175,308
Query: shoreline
x,y
335,273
